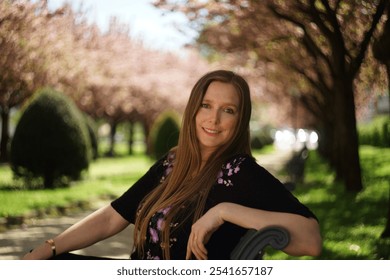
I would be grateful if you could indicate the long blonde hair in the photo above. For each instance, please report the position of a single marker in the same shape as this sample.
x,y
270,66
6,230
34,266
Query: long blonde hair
x,y
182,189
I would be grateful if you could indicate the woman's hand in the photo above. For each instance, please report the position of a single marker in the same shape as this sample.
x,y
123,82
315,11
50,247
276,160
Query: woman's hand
x,y
43,252
201,232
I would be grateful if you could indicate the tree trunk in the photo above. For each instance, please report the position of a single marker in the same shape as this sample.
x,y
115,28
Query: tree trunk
x,y
388,79
4,135
146,128
111,151
131,138
347,146
48,178
326,139
329,141
352,168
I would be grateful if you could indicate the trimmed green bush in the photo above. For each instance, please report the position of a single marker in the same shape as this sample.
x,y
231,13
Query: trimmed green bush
x,y
375,133
164,133
51,141
93,136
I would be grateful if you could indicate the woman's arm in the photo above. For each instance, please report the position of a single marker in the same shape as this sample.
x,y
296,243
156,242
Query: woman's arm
x,y
305,238
100,225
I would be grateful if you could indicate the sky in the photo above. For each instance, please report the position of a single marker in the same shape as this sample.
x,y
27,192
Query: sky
x,y
154,27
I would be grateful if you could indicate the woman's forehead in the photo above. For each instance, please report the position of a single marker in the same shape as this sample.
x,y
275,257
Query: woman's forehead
x,y
222,92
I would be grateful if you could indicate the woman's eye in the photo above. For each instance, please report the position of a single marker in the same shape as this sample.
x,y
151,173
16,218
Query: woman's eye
x,y
204,105
229,110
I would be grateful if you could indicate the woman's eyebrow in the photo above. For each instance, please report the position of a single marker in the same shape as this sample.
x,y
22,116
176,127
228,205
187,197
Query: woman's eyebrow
x,y
225,104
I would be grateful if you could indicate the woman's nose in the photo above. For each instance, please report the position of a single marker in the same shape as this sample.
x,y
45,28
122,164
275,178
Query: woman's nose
x,y
215,117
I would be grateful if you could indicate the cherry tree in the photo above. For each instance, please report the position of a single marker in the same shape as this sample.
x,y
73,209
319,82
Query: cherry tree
x,y
320,45
109,75
24,63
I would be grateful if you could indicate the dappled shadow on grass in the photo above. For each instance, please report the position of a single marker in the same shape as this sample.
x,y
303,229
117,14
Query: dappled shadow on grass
x,y
33,185
24,187
345,208
21,185
351,223
129,177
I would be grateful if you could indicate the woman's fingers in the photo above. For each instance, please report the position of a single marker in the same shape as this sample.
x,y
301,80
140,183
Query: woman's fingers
x,y
200,249
196,246
201,232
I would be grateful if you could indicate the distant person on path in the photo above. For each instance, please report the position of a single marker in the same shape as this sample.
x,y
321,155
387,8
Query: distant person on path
x,y
200,199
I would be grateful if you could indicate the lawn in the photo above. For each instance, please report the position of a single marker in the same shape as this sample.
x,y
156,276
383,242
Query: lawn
x,y
351,224
106,177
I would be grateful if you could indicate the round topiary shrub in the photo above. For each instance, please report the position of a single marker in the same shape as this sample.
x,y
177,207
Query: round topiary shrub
x,y
164,133
93,136
51,140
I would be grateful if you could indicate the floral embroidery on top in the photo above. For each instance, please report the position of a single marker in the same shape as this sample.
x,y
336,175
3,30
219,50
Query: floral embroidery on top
x,y
156,225
157,221
168,164
228,169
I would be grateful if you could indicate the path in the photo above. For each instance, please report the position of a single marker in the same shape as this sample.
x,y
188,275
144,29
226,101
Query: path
x,y
16,242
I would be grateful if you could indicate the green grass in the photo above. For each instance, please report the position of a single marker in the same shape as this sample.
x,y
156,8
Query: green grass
x,y
106,177
351,225
268,149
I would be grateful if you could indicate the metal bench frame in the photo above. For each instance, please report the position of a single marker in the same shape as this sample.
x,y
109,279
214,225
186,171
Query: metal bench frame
x,y
253,243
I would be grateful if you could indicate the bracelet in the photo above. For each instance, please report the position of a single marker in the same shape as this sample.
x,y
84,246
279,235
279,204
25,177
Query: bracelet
x,y
53,246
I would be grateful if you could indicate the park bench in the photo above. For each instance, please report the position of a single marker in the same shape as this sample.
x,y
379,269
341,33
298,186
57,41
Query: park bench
x,y
251,246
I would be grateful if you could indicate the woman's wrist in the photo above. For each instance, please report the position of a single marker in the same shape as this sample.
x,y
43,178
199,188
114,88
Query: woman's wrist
x,y
52,245
42,252
222,210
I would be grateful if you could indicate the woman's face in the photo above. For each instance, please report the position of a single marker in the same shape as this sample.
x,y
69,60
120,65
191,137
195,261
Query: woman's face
x,y
217,117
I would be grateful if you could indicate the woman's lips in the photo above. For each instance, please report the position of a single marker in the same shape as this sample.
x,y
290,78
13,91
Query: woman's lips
x,y
211,131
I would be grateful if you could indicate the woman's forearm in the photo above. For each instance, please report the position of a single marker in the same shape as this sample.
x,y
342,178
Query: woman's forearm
x,y
305,238
100,225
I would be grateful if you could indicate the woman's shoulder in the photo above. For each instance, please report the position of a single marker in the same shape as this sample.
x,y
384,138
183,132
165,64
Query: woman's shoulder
x,y
167,163
239,164
168,159
242,164
238,160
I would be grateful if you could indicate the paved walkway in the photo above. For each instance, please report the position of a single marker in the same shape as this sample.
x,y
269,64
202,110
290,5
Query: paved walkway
x,y
16,242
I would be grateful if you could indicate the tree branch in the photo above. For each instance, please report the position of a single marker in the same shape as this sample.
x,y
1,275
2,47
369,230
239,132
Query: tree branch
x,y
319,84
313,105
356,63
308,40
313,48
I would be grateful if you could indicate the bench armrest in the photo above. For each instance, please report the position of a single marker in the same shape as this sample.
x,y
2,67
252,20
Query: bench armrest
x,y
252,244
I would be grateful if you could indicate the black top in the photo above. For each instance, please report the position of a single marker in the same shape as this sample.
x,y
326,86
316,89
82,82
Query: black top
x,y
241,180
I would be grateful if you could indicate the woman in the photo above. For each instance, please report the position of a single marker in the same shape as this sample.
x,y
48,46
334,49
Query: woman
x,y
198,201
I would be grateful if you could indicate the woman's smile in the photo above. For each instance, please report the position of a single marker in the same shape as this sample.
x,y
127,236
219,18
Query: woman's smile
x,y
211,131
